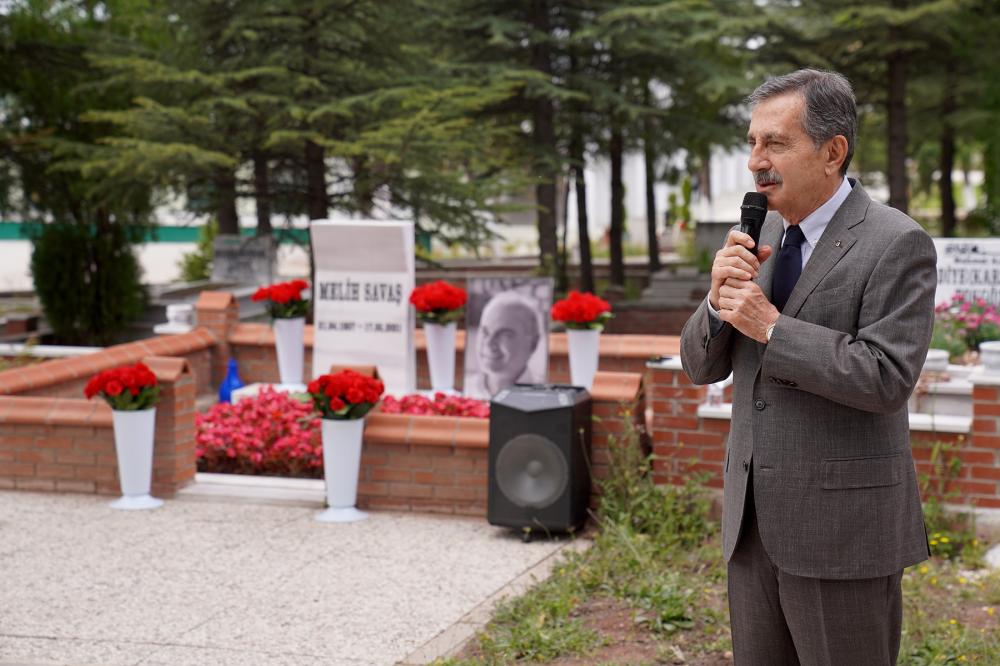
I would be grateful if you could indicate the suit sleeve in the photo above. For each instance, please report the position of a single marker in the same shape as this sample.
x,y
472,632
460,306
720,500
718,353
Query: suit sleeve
x,y
705,357
875,369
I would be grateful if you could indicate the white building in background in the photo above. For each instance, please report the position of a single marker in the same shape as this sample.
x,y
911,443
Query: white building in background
x,y
730,180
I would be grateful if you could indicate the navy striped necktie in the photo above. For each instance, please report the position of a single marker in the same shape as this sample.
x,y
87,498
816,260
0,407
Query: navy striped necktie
x,y
789,266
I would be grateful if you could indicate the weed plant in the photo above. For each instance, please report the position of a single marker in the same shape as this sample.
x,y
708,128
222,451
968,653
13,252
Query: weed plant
x,y
652,550
656,550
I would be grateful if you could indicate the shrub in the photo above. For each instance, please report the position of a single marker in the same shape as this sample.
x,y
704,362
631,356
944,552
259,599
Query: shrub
x,y
87,280
197,265
271,433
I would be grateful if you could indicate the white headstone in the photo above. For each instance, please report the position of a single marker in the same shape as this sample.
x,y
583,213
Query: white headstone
x,y
361,299
968,266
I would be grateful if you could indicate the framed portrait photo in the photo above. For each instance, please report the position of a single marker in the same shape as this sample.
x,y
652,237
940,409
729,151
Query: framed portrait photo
x,y
507,333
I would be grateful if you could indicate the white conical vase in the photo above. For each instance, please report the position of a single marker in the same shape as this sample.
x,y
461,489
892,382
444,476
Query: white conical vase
x,y
134,447
341,466
441,355
584,354
289,344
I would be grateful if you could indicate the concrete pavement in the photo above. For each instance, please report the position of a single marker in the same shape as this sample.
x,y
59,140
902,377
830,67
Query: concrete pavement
x,y
225,582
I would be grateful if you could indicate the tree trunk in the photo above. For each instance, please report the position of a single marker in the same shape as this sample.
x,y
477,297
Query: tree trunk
x,y
262,194
316,199
896,103
947,164
225,193
652,243
544,138
617,148
582,223
562,270
364,192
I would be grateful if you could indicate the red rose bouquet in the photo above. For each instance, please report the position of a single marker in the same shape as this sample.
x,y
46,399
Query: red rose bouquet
x,y
284,299
345,395
582,310
438,302
129,388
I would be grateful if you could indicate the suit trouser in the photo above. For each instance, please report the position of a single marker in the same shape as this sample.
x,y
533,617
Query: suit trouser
x,y
779,619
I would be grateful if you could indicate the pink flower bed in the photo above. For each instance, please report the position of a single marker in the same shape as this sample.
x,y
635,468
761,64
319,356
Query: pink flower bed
x,y
271,434
440,405
274,434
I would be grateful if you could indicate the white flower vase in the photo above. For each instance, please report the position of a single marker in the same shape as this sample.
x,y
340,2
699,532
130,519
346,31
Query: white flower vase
x,y
134,447
989,356
441,355
341,466
289,344
584,354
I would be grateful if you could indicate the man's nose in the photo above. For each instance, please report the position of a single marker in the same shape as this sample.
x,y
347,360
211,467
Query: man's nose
x,y
758,160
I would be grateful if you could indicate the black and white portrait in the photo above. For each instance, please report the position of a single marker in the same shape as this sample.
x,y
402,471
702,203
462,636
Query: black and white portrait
x,y
507,333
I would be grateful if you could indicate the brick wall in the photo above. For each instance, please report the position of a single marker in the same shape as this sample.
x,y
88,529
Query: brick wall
x,y
440,464
252,345
66,377
67,444
689,437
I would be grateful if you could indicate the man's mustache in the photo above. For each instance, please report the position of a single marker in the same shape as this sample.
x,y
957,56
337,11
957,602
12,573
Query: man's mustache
x,y
761,177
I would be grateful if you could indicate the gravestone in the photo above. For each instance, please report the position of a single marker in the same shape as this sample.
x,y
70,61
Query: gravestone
x,y
361,299
243,260
968,266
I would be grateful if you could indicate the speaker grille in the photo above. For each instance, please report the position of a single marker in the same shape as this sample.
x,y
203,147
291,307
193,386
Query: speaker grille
x,y
531,471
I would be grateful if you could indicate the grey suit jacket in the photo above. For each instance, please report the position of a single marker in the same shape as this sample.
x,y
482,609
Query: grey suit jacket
x,y
820,412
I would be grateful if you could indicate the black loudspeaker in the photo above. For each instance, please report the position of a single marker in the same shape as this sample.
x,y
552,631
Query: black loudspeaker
x,y
539,471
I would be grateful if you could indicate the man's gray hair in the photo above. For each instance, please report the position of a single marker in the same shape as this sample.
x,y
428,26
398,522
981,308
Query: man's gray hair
x,y
830,107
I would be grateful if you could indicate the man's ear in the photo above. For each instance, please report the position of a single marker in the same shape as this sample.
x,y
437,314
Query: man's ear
x,y
836,153
535,339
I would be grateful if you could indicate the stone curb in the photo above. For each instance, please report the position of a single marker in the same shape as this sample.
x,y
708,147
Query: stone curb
x,y
452,640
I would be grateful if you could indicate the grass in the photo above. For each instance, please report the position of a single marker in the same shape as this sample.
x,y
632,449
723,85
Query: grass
x,y
652,589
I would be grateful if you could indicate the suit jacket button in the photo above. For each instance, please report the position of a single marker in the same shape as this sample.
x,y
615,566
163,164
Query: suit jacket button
x,y
746,465
759,404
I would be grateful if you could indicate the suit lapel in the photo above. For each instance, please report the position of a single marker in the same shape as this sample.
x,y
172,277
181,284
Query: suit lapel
x,y
836,240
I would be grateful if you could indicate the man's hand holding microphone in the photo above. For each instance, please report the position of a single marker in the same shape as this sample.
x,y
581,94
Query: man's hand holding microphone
x,y
734,295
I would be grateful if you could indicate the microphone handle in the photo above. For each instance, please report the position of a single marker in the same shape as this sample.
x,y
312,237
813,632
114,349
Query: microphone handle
x,y
752,229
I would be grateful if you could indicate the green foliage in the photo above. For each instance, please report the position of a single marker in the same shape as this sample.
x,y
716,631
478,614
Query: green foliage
x,y
671,517
197,265
950,615
949,534
88,281
539,626
125,401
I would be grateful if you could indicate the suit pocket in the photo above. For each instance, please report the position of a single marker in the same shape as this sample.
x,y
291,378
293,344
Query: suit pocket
x,y
866,472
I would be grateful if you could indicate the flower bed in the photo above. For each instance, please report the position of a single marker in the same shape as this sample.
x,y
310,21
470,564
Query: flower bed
x,y
271,434
274,434
961,324
441,405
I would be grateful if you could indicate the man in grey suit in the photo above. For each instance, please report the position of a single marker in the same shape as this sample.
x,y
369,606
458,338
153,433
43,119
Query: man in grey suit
x,y
825,332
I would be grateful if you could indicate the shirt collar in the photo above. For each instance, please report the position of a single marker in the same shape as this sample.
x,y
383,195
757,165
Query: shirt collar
x,y
816,222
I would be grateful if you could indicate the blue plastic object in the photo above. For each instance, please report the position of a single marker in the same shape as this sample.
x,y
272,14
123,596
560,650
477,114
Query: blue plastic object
x,y
230,383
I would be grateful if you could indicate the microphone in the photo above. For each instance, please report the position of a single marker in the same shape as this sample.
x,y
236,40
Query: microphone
x,y
752,214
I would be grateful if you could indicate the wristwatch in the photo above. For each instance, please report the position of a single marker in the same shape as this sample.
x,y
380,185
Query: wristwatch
x,y
768,332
